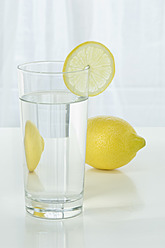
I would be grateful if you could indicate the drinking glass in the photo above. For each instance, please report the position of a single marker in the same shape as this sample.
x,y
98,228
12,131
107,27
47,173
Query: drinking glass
x,y
53,123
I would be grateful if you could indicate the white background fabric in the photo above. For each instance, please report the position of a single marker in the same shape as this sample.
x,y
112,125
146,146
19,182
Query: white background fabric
x,y
134,31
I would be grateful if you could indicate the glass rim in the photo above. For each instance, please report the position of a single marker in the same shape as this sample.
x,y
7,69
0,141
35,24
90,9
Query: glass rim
x,y
20,68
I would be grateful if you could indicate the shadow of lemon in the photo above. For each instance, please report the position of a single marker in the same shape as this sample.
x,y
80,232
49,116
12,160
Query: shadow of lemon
x,y
105,189
33,183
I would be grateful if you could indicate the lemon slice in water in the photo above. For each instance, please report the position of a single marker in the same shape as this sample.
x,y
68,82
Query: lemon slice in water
x,y
34,145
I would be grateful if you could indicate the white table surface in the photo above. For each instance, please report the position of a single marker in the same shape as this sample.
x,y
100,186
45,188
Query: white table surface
x,y
122,208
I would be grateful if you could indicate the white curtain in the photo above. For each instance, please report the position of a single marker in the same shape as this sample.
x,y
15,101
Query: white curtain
x,y
134,31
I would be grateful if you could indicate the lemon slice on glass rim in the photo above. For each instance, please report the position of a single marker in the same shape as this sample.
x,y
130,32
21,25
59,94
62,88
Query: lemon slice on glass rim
x,y
98,58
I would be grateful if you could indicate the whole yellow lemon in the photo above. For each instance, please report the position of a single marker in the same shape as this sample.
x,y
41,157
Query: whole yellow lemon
x,y
111,142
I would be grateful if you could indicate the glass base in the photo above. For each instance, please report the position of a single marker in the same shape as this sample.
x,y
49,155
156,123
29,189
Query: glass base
x,y
53,211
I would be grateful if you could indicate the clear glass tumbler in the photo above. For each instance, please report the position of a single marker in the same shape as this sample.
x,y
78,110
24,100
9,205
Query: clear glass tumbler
x,y
54,123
